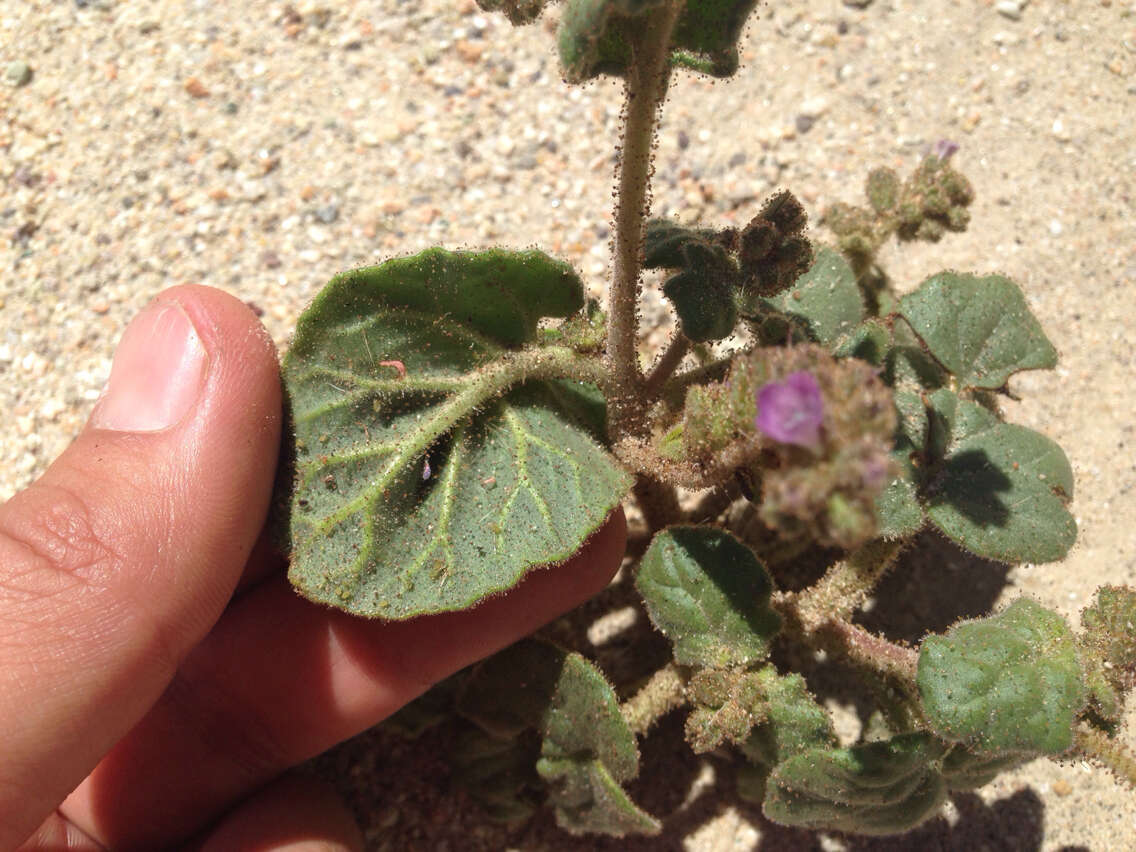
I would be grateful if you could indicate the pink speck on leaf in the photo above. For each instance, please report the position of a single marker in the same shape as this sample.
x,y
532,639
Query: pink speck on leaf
x,y
791,411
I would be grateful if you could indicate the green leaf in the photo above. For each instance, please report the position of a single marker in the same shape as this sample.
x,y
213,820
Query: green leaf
x,y
898,510
666,241
500,775
427,476
589,800
826,300
870,341
597,36
1001,490
794,722
879,788
709,595
964,770
1007,683
702,293
1108,643
711,28
978,328
907,365
587,749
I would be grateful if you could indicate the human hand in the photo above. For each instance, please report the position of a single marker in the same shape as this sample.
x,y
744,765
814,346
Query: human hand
x,y
157,673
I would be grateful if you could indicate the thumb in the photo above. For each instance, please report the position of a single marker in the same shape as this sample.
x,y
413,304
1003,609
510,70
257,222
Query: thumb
x,y
121,557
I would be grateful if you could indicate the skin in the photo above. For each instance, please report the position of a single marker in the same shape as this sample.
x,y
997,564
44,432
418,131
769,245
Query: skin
x,y
158,676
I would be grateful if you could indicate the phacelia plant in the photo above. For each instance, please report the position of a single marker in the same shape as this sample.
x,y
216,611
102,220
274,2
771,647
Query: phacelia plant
x,y
460,418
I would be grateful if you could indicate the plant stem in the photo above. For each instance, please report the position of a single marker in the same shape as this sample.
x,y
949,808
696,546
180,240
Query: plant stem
x,y
657,501
646,84
665,691
666,364
847,583
1109,753
866,648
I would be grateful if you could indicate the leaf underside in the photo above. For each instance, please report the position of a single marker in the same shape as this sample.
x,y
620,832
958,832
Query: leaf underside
x,y
429,491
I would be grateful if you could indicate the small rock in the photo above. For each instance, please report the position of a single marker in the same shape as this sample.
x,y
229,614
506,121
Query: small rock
x,y
328,213
1062,787
18,73
195,88
858,4
469,51
814,108
1011,9
270,259
683,140
1060,132
804,123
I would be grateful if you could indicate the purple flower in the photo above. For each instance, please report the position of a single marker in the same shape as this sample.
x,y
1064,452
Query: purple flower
x,y
791,411
944,148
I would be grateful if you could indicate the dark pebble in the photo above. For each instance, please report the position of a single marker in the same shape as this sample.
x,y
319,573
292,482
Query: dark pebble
x,y
327,214
804,123
271,260
683,140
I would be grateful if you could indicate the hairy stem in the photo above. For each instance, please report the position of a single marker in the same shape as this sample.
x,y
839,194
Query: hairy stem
x,y
665,691
666,364
646,84
657,501
865,648
1109,753
847,584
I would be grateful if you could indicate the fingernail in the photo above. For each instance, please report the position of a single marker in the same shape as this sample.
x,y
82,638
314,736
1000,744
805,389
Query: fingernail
x,y
157,374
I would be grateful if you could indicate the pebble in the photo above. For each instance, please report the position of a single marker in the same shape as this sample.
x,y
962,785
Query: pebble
x,y
1011,9
195,88
328,213
18,73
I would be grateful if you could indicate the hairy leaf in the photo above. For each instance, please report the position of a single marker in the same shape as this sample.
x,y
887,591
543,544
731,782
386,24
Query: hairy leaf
x,y
1000,490
596,36
978,328
964,770
702,292
1007,683
500,775
826,300
898,509
794,722
427,476
879,788
666,240
1108,643
587,749
709,595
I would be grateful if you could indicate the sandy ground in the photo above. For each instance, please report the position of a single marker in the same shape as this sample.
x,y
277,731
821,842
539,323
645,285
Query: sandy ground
x,y
261,148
